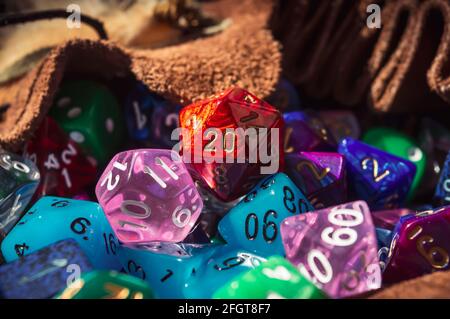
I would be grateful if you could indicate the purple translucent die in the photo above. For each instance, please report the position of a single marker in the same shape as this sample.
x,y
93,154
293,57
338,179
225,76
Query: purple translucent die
x,y
335,248
305,132
381,179
321,177
387,219
420,245
148,195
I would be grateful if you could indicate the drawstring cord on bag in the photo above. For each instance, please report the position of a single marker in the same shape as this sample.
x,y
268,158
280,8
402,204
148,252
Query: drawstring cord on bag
x,y
24,17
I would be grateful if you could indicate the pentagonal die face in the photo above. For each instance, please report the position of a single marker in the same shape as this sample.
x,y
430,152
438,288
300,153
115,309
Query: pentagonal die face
x,y
148,195
224,138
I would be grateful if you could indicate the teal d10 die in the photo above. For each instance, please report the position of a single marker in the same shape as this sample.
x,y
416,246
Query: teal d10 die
x,y
166,267
218,265
254,224
52,219
91,116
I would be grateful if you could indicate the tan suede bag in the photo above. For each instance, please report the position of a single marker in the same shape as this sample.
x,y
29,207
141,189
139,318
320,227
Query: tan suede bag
x,y
241,51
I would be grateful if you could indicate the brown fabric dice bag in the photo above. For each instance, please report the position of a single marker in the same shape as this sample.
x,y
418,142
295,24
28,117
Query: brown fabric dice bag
x,y
243,54
329,52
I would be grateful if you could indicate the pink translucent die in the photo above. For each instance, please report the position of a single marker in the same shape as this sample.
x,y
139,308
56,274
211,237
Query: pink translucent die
x,y
336,248
148,195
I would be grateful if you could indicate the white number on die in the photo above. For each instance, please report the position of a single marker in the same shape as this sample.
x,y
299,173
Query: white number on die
x,y
340,237
181,217
108,178
323,275
124,207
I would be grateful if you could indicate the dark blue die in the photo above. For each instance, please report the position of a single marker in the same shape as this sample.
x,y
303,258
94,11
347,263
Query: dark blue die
x,y
150,118
44,273
381,179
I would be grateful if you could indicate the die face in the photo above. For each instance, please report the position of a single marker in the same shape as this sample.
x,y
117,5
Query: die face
x,y
321,176
335,248
19,180
107,285
90,114
274,278
442,192
54,218
65,171
223,154
387,219
222,263
285,98
341,124
420,245
166,267
148,195
399,144
254,224
43,273
381,179
305,132
150,117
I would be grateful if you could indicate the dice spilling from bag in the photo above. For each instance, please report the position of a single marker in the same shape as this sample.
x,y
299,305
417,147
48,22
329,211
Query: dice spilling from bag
x,y
106,203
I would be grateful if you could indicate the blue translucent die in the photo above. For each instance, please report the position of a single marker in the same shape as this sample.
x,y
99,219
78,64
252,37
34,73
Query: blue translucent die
x,y
381,179
149,117
165,266
384,238
219,265
442,193
254,224
52,219
44,273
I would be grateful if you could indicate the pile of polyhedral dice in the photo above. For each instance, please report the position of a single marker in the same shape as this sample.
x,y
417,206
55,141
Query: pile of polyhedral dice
x,y
100,205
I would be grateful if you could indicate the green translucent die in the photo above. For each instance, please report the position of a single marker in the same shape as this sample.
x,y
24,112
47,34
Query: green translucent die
x,y
91,116
400,145
107,285
274,279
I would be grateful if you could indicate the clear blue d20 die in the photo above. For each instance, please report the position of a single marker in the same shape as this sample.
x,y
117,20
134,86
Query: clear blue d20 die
x,y
218,265
442,192
165,266
45,272
52,219
19,178
381,179
254,223
150,117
